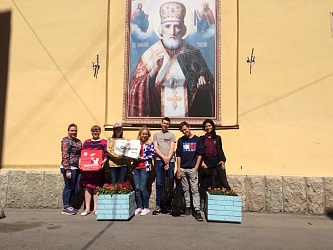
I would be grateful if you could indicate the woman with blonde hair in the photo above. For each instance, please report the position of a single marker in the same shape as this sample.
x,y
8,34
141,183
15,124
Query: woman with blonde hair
x,y
141,169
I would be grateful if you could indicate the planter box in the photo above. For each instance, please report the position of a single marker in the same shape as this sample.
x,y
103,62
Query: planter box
x,y
115,207
223,208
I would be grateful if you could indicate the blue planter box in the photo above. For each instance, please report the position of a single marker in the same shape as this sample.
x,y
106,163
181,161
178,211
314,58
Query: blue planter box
x,y
115,207
223,208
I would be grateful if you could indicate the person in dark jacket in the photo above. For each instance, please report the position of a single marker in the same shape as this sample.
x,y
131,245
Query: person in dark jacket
x,y
212,161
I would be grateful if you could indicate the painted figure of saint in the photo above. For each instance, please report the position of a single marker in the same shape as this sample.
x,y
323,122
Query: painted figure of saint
x,y
159,86
204,19
140,18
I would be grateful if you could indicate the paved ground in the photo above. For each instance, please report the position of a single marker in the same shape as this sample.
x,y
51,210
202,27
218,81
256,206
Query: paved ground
x,y
49,229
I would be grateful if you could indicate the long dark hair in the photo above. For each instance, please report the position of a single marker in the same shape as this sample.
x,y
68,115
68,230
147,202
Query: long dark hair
x,y
114,133
210,121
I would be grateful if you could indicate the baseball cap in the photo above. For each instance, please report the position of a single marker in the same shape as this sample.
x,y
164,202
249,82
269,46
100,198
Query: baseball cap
x,y
117,125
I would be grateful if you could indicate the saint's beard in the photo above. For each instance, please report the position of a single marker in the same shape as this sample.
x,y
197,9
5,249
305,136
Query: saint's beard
x,y
172,43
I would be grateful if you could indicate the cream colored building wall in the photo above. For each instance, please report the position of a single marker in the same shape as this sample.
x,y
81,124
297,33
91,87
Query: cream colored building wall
x,y
51,83
284,108
285,105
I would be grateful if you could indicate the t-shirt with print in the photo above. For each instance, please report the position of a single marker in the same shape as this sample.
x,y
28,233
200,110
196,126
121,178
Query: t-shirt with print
x,y
163,143
188,149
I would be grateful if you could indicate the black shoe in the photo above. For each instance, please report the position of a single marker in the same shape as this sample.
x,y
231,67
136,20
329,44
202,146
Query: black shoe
x,y
157,211
197,215
169,210
188,211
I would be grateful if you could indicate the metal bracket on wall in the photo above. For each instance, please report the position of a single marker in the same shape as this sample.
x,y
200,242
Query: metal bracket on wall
x,y
251,60
96,67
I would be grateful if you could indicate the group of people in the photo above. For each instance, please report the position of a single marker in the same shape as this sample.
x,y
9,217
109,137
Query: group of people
x,y
192,159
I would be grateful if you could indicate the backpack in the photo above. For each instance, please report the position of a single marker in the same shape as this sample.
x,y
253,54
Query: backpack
x,y
167,192
178,202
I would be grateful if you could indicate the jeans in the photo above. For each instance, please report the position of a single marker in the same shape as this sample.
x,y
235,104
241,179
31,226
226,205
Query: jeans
x,y
160,173
213,165
77,188
71,187
118,174
207,177
140,178
221,173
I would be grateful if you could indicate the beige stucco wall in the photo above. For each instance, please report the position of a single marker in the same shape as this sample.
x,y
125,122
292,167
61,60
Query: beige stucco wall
x,y
51,83
284,109
285,105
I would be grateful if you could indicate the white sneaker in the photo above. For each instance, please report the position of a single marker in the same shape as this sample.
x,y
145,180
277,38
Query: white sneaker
x,y
137,211
145,211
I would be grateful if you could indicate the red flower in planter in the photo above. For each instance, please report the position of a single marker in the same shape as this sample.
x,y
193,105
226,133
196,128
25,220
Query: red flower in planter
x,y
118,188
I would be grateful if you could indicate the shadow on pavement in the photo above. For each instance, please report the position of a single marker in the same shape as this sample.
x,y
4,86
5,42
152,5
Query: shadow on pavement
x,y
91,242
329,213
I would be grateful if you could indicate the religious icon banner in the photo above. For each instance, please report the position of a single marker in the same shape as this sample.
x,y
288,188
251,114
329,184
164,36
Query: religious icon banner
x,y
172,61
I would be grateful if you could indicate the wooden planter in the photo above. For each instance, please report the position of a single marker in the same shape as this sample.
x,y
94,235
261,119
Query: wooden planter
x,y
223,208
115,207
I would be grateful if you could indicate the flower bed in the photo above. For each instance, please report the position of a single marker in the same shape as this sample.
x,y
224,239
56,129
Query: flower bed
x,y
222,207
115,207
115,202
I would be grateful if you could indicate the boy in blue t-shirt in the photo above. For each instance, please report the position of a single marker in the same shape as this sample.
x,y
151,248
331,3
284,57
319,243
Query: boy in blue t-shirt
x,y
189,154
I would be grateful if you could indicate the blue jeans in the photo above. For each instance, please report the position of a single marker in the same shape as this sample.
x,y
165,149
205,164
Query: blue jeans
x,y
140,178
160,173
118,174
71,187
